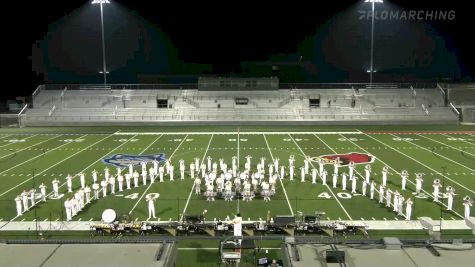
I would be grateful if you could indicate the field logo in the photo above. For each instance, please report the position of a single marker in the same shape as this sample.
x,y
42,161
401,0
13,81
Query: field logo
x,y
123,160
357,158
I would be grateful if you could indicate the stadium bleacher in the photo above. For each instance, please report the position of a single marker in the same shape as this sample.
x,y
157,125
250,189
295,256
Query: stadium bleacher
x,y
384,103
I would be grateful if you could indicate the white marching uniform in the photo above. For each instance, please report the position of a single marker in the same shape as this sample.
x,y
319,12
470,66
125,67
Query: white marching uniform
x,y
171,169
18,205
335,179
161,170
276,164
381,193
388,198
400,205
291,173
136,178
282,172
155,167
144,177
314,176
32,196
24,199
82,179
151,174
353,184
419,181
324,177
396,200
209,162
192,170
131,169
68,207
106,174
151,207
343,181
367,173
408,209
363,188
127,179
336,165
305,164
95,187
371,190
104,188
404,176
467,204
436,191
351,169
87,191
450,199
94,176
55,184
43,192
69,182
384,173
197,185
120,181
112,183
302,174
182,169
237,226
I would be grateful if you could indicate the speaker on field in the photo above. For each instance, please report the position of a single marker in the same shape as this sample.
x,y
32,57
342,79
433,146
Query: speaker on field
x,y
333,256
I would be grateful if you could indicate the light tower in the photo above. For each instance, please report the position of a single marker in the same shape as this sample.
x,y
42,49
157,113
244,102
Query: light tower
x,y
104,71
371,69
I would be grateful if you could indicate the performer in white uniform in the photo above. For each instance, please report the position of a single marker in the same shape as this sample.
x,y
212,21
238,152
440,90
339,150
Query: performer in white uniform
x,y
408,209
384,172
450,197
43,192
151,206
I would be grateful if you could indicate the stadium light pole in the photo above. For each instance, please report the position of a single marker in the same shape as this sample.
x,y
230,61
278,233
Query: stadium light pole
x,y
371,70
104,71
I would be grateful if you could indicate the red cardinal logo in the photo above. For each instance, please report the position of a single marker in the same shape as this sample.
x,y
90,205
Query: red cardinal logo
x,y
344,159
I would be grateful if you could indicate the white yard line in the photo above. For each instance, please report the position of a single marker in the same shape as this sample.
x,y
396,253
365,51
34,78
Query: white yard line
x,y
429,194
227,133
100,158
150,185
313,166
49,166
193,186
6,136
357,172
14,152
11,143
437,172
458,149
473,170
42,154
280,179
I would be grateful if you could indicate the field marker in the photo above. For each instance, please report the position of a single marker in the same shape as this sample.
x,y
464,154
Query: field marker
x,y
29,147
439,155
280,179
10,143
70,156
397,171
150,185
193,186
23,162
373,218
438,173
446,145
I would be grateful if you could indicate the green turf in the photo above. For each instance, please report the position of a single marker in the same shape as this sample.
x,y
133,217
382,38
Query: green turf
x,y
28,151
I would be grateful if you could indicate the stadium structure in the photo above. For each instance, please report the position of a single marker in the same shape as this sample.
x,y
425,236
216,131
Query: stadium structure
x,y
249,101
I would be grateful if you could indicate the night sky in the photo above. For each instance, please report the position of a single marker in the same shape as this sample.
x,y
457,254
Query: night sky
x,y
59,42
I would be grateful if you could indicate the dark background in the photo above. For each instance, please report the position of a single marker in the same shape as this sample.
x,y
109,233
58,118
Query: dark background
x,y
185,37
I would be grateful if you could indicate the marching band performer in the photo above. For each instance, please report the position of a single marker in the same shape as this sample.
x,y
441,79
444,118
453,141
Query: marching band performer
x,y
436,185
384,173
467,202
450,197
404,176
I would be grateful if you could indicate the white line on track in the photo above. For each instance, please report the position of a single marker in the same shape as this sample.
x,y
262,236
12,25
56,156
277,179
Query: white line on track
x,y
313,166
280,178
193,186
46,168
16,151
437,154
429,194
446,145
11,143
436,172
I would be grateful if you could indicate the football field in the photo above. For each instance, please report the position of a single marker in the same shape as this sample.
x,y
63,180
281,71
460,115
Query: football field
x,y
29,158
